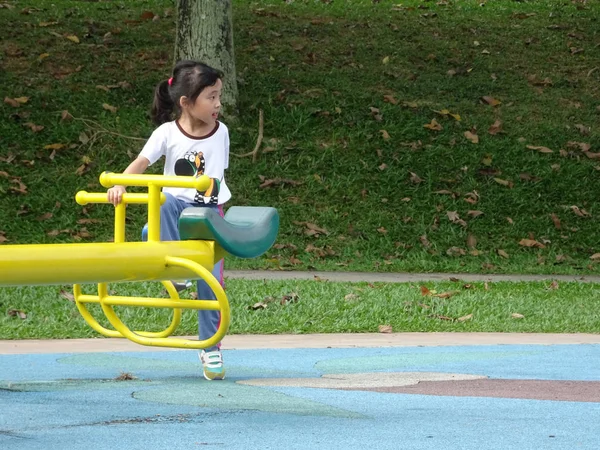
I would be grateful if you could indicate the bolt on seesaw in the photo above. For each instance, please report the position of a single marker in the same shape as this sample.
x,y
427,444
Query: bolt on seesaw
x,y
206,237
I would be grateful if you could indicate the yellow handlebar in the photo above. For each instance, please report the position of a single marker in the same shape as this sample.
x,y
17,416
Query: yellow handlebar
x,y
109,179
83,198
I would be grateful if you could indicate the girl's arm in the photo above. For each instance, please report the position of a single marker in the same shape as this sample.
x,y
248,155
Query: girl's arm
x,y
139,165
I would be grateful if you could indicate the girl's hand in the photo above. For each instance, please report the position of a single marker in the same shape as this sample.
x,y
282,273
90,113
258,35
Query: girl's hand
x,y
115,194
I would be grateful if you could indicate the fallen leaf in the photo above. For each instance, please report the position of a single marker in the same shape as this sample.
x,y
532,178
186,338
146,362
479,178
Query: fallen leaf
x,y
455,218
147,15
295,261
35,128
46,216
386,60
54,147
445,112
312,229
376,113
495,128
126,376
21,189
289,298
591,155
471,137
385,135
582,146
16,313
595,257
12,102
73,38
438,316
583,129
258,305
414,178
445,295
491,100
351,297
509,220
502,253
385,328
553,285
531,243
556,221
110,108
540,149
425,291
580,212
472,197
424,241
474,214
471,241
277,181
434,125
487,160
507,183
390,99
465,318
68,295
456,251
517,316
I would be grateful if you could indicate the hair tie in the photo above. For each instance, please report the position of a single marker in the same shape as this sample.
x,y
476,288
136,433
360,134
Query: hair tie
x,y
170,81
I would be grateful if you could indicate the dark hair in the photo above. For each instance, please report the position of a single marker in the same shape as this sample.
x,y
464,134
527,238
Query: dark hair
x,y
189,79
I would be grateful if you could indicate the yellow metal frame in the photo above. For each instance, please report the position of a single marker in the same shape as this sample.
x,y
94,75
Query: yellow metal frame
x,y
121,261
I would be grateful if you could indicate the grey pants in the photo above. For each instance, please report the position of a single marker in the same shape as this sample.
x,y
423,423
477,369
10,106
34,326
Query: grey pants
x,y
208,320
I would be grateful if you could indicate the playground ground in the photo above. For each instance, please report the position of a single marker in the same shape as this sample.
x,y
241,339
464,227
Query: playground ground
x,y
350,391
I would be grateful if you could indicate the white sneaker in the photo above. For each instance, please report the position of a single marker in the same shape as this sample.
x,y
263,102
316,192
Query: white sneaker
x,y
181,285
212,365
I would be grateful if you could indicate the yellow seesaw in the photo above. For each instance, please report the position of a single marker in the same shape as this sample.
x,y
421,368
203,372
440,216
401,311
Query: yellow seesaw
x,y
206,237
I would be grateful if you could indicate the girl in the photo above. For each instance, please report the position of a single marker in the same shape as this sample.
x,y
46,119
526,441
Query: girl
x,y
194,143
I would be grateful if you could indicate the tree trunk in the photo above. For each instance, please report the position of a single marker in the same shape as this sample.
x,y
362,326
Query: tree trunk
x,y
205,33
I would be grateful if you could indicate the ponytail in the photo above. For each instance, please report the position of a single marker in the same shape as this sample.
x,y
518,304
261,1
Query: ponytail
x,y
188,80
163,105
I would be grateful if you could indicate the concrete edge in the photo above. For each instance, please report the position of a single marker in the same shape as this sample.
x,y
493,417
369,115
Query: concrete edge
x,y
244,342
399,277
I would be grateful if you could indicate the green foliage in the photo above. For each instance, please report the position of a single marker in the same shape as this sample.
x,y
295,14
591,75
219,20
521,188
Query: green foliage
x,y
329,77
327,307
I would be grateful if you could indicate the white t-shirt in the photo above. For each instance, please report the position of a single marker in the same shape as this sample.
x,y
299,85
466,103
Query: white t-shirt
x,y
192,156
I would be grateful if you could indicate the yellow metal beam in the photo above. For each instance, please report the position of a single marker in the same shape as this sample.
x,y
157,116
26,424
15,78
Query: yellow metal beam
x,y
101,262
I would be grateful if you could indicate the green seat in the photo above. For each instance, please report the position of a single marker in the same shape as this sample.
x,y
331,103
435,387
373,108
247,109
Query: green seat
x,y
245,231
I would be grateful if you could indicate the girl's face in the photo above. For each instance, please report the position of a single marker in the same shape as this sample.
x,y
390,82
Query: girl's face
x,y
207,105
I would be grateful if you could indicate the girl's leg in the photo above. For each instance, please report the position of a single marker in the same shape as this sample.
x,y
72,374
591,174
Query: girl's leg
x,y
170,211
209,320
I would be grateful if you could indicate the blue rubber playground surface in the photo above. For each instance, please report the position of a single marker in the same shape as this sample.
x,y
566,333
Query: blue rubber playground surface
x,y
304,398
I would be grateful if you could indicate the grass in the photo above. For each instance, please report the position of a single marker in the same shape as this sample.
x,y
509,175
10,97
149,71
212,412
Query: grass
x,y
274,307
346,88
318,70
